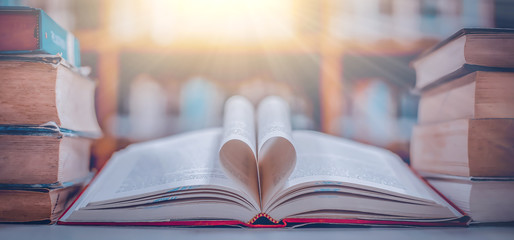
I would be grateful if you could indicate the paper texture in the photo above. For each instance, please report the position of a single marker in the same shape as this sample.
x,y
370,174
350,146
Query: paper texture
x,y
237,153
276,153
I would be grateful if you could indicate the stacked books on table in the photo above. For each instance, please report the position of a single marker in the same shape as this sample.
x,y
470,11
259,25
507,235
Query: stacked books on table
x,y
47,120
464,143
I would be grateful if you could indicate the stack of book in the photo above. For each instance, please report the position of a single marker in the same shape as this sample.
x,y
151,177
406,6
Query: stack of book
x,y
47,117
464,142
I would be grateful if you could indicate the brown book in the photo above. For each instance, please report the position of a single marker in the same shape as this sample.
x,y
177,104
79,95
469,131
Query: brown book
x,y
37,90
485,200
42,155
465,147
476,95
466,51
35,204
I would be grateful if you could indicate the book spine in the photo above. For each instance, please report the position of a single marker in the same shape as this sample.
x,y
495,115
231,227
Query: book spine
x,y
55,40
51,38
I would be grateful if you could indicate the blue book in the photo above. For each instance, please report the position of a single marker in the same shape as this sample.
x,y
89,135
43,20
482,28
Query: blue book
x,y
25,30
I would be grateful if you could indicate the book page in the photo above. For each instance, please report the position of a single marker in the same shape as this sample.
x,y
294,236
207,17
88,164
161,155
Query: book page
x,y
334,174
276,153
237,152
323,158
185,160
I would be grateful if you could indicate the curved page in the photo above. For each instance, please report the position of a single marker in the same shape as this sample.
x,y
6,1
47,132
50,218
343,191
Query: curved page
x,y
334,175
276,153
177,177
237,152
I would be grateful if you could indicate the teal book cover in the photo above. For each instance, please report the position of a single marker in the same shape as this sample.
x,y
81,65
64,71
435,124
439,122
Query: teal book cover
x,y
25,30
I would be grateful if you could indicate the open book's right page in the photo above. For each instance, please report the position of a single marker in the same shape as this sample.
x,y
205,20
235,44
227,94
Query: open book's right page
x,y
338,178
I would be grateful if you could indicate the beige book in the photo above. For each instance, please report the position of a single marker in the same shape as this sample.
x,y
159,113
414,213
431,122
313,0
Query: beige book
x,y
467,50
465,147
42,155
476,95
485,200
41,89
40,205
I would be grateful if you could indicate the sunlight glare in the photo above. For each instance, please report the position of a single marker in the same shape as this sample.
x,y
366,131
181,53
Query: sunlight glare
x,y
221,20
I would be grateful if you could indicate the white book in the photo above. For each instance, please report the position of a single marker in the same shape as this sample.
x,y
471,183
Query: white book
x,y
484,199
254,167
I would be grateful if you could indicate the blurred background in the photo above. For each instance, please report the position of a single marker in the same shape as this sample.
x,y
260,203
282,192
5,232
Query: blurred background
x,y
165,66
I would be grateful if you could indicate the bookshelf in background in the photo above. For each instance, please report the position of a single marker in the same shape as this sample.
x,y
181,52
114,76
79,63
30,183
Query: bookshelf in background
x,y
113,53
324,31
378,102
373,55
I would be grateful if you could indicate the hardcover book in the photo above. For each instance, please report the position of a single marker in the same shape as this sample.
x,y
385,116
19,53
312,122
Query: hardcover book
x,y
465,147
42,154
258,174
484,199
37,89
30,30
476,95
466,51
37,203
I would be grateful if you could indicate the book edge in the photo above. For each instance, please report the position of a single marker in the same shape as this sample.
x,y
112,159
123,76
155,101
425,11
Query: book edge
x,y
465,218
463,32
461,72
50,186
50,129
286,222
43,57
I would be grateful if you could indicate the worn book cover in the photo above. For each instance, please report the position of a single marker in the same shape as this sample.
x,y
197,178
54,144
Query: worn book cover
x,y
30,30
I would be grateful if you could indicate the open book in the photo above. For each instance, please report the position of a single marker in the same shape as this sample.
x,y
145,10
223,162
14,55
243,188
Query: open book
x,y
252,174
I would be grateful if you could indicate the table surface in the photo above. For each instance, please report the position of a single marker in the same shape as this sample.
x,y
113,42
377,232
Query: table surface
x,y
24,231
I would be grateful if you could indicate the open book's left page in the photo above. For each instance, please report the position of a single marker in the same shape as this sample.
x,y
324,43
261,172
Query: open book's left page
x,y
173,178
